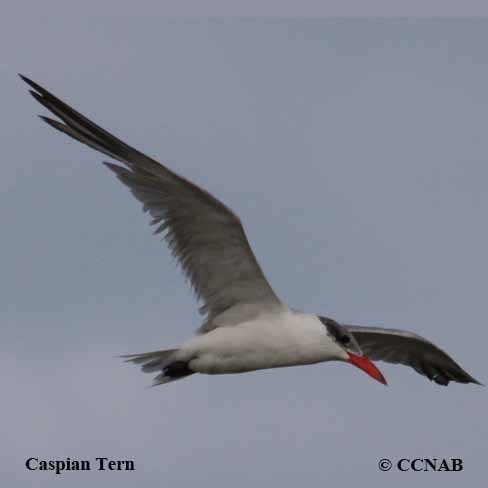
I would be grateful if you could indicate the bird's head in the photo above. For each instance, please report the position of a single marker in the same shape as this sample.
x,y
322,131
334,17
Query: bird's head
x,y
348,349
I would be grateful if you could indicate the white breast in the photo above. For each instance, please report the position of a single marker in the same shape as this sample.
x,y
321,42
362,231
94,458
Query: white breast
x,y
270,340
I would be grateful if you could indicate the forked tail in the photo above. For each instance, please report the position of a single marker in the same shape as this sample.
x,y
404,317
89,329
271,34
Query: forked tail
x,y
164,362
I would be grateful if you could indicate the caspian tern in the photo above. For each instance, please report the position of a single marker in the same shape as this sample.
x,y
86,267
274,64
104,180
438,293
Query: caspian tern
x,y
246,327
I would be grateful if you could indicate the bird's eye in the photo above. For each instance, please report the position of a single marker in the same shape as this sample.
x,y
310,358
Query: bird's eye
x,y
345,339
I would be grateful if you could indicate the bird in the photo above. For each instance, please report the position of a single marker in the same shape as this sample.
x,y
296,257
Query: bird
x,y
246,327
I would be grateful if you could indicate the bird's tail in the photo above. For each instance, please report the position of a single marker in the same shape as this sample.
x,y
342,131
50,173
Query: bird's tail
x,y
164,362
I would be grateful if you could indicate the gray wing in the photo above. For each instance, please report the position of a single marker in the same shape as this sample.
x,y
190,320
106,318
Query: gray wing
x,y
205,236
403,347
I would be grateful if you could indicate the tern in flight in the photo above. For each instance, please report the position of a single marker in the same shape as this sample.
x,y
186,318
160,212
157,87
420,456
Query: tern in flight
x,y
246,327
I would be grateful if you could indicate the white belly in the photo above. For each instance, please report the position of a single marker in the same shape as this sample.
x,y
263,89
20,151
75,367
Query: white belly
x,y
271,341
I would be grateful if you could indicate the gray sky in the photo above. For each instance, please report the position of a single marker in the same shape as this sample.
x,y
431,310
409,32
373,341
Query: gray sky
x,y
355,153
288,8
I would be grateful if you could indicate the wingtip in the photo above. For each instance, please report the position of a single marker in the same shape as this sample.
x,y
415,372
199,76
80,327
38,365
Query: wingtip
x,y
36,96
28,81
471,379
128,358
114,167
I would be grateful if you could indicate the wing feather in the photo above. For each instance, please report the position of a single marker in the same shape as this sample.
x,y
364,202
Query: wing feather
x,y
204,235
403,347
